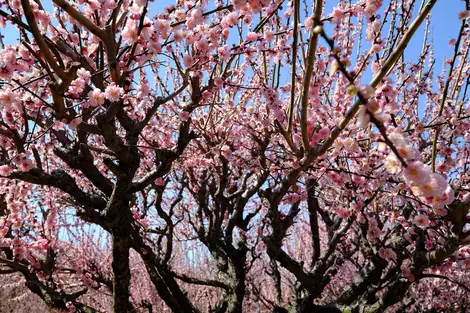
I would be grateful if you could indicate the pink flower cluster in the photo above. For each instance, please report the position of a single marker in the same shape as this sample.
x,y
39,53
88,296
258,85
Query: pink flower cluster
x,y
432,187
229,20
274,103
10,62
371,6
250,6
9,100
23,162
387,254
424,183
374,232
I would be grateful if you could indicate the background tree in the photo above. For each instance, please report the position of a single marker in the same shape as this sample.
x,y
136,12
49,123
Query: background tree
x,y
235,156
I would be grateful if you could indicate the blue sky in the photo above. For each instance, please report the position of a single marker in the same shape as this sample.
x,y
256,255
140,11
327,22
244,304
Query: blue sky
x,y
445,26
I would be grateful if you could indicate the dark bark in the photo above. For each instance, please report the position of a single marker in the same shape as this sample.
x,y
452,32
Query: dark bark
x,y
82,160
63,181
52,298
121,270
313,205
369,275
237,293
162,278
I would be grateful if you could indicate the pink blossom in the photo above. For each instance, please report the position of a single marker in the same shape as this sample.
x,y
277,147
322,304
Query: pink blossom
x,y
162,27
392,164
343,213
155,46
5,242
71,307
448,196
239,4
406,272
397,139
141,3
143,90
373,233
292,198
202,45
9,99
441,211
315,139
416,173
178,36
372,6
130,32
308,23
350,144
83,74
229,147
373,223
3,231
188,61
224,52
113,93
5,170
110,4
373,106
269,35
324,133
408,237
429,244
387,254
230,20
433,187
337,15
195,19
40,245
184,115
407,152
363,117
255,6
75,122
226,152
160,181
366,90
77,86
23,162
96,98
218,82
464,14
421,220
251,37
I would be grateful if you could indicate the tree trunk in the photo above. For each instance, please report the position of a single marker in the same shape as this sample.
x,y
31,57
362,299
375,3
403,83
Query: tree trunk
x,y
121,270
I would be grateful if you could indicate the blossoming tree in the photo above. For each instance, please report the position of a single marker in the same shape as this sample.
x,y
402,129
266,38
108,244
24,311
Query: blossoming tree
x,y
233,156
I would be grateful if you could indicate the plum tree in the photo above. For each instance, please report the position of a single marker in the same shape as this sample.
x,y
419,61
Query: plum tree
x,y
232,156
